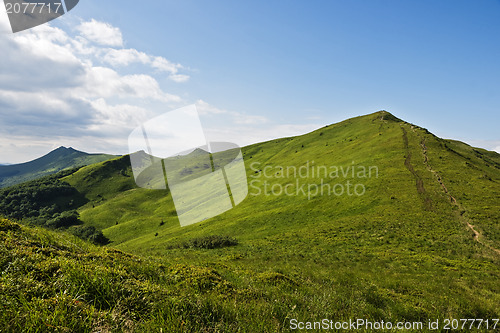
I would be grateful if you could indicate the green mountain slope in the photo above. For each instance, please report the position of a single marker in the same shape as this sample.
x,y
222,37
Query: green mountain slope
x,y
424,235
413,234
414,174
55,161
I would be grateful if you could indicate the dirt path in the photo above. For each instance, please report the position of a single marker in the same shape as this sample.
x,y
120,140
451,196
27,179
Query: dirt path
x,y
418,180
477,235
438,178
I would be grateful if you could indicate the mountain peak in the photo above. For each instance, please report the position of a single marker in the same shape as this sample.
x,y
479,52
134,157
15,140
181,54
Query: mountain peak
x,y
63,151
58,159
386,115
62,148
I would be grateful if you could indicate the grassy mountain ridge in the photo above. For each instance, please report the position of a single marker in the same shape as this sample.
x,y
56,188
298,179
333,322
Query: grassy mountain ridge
x,y
416,221
55,161
420,242
374,140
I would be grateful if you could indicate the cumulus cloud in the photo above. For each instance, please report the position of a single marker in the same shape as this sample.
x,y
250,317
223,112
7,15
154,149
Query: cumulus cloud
x,y
205,108
124,57
163,64
67,86
179,77
116,120
34,61
106,82
101,33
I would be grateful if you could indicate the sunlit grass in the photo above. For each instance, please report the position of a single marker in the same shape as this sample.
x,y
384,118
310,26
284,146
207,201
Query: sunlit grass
x,y
395,253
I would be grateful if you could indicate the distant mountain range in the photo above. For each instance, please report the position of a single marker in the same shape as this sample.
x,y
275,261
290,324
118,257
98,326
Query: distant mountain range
x,y
55,161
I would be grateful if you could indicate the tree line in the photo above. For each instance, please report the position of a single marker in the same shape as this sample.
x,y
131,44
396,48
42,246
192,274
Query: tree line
x,y
48,202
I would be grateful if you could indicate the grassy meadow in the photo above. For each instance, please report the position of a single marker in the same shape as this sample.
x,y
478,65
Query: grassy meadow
x,y
420,243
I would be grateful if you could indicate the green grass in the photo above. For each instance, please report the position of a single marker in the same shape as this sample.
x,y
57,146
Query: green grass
x,y
400,252
55,282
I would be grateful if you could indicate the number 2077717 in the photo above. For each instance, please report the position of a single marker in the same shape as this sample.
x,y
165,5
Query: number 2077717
x,y
460,324
32,7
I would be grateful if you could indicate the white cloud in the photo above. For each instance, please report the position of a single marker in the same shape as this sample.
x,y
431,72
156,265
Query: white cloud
x,y
38,60
101,33
126,57
28,101
58,88
163,64
205,109
106,82
179,78
116,120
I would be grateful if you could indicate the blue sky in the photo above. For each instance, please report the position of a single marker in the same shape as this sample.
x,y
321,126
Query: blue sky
x,y
256,69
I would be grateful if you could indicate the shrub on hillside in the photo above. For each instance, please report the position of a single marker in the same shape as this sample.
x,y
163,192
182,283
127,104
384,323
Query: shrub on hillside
x,y
209,242
91,234
64,220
